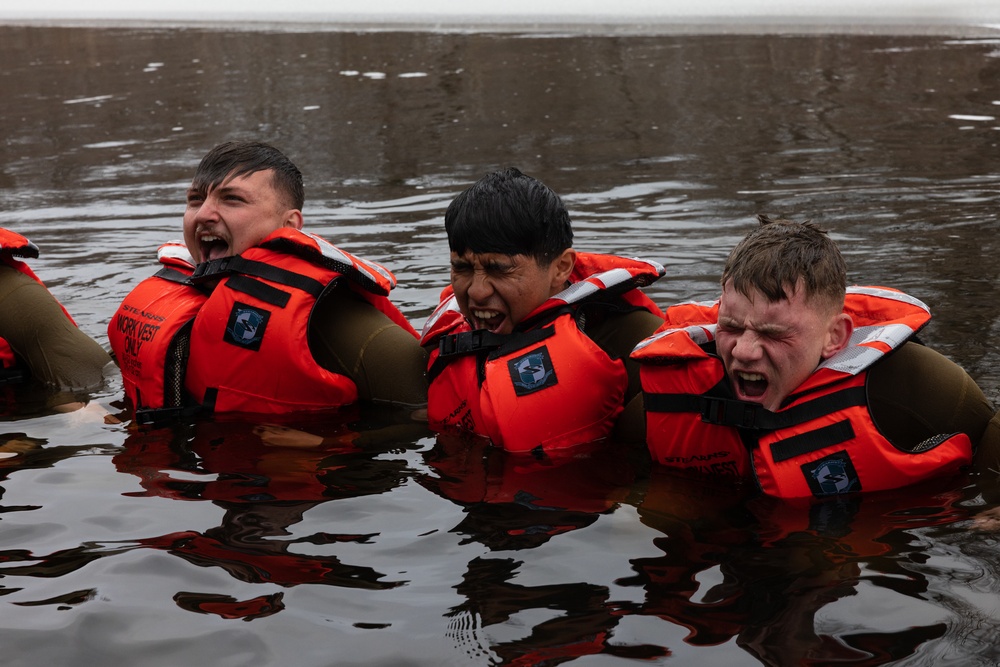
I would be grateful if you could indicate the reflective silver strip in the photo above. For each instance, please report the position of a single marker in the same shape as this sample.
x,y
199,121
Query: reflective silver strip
x,y
577,291
892,335
450,304
659,268
610,278
856,357
852,360
888,294
703,304
174,250
365,267
700,334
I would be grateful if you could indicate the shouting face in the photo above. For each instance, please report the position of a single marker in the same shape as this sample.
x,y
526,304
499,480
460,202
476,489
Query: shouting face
x,y
496,291
769,348
235,216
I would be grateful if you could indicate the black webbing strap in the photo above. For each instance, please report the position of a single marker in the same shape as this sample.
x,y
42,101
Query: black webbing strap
x,y
453,346
746,415
259,290
834,434
155,416
469,342
173,275
248,267
522,339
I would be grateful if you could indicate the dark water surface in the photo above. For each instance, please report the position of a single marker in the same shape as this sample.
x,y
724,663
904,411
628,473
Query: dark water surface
x,y
198,545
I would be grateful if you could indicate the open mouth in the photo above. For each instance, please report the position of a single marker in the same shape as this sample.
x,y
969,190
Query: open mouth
x,y
212,247
490,320
751,385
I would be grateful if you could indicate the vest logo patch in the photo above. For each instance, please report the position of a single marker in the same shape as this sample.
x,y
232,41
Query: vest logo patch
x,y
832,475
246,326
532,372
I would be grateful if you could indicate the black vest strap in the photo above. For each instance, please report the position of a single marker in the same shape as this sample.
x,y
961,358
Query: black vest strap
x,y
259,290
248,267
746,415
480,341
155,416
173,275
469,342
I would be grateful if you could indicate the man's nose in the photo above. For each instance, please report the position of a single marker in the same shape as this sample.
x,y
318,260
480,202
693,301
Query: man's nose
x,y
208,211
480,288
747,347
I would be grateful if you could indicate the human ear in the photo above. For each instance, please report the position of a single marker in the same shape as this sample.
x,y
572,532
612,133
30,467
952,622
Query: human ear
x,y
838,334
562,266
293,218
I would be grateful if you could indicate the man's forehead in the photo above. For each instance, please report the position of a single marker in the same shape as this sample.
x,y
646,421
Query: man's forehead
x,y
488,257
232,179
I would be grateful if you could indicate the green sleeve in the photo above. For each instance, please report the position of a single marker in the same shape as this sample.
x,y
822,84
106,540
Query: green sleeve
x,y
915,393
54,349
350,336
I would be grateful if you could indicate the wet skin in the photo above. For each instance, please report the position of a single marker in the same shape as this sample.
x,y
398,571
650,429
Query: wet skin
x,y
769,348
496,291
235,216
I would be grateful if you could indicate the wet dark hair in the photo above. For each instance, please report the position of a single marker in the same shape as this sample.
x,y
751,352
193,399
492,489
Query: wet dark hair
x,y
777,254
242,158
509,213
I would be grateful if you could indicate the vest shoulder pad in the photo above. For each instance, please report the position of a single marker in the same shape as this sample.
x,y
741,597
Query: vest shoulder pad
x,y
445,319
175,254
595,273
13,244
373,277
673,343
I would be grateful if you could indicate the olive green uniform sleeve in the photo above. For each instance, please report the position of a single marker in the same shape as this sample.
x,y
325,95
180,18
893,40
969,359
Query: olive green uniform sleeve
x,y
618,334
56,351
350,336
916,393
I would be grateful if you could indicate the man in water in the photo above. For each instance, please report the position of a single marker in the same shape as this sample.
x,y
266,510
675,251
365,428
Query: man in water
x,y
38,338
804,385
251,314
528,345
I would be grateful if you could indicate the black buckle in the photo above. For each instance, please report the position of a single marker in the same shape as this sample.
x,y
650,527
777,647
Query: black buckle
x,y
468,342
211,269
725,412
154,416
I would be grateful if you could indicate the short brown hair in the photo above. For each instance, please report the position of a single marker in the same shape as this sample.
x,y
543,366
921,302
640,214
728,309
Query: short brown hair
x,y
243,158
776,255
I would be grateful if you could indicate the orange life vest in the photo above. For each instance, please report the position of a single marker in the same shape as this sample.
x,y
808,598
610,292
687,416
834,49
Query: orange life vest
x,y
246,338
13,248
546,385
821,442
